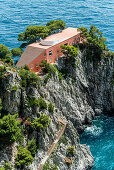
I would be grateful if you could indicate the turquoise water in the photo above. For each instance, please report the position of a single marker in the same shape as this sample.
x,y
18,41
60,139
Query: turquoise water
x,y
100,138
15,15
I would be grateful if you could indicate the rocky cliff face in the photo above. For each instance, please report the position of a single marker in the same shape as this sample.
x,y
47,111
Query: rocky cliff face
x,y
86,91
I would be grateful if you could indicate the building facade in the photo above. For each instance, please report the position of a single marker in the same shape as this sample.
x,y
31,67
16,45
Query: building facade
x,y
48,49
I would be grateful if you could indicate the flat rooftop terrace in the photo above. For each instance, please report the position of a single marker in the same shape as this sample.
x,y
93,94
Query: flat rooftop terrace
x,y
56,38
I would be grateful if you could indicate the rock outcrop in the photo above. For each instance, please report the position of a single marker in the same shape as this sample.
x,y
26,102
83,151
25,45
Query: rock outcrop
x,y
85,92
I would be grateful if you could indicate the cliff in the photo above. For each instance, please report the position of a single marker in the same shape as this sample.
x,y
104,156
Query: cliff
x,y
86,91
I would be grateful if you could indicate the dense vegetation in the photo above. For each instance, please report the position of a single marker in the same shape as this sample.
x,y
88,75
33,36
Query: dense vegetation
x,y
48,167
5,54
50,69
32,147
40,102
33,33
9,129
41,122
28,78
23,157
50,107
16,52
69,51
94,42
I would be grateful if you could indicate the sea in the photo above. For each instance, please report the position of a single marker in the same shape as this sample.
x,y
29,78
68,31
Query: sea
x,y
100,139
16,15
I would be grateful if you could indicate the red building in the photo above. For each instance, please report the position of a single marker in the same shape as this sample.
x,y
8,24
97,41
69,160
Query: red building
x,y
48,49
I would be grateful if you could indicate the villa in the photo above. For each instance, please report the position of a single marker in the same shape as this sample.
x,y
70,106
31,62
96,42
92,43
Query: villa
x,y
48,49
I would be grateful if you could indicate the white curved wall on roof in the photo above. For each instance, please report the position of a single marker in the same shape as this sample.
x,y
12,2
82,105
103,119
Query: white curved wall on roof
x,y
50,43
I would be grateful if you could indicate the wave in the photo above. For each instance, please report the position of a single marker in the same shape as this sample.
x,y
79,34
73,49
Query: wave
x,y
94,130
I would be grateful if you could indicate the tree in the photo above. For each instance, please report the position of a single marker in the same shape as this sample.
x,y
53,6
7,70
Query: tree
x,y
28,78
95,44
9,129
40,123
4,52
33,33
69,51
23,157
42,104
56,25
50,107
32,147
16,52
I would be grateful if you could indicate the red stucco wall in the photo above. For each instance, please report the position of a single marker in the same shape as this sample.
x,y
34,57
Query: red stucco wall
x,y
56,52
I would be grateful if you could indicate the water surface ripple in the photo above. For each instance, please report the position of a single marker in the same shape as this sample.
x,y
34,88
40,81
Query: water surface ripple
x,y
15,15
100,138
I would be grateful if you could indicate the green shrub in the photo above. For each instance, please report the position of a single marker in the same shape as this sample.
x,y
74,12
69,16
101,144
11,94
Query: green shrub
x,y
50,107
69,51
32,102
4,52
26,67
32,147
9,129
71,150
109,54
23,157
2,168
48,167
14,88
49,68
16,52
63,140
7,166
47,78
2,71
42,104
94,43
40,123
28,78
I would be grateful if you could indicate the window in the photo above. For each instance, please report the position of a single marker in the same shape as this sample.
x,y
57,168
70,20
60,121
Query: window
x,y
50,59
44,54
50,53
31,66
36,65
73,42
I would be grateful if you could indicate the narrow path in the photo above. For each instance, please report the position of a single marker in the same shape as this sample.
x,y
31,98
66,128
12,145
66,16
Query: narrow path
x,y
53,144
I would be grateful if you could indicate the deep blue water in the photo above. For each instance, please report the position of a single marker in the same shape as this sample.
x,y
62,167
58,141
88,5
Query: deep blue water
x,y
100,138
15,15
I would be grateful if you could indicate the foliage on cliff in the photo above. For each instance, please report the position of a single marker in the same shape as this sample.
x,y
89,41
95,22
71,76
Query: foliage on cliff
x,y
32,147
33,33
5,54
23,157
9,129
50,69
93,41
28,78
41,122
16,52
69,51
